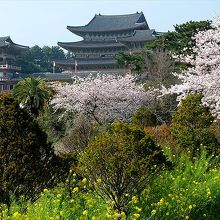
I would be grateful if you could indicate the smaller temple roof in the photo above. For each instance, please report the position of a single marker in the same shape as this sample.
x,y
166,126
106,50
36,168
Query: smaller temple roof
x,y
107,23
90,44
6,42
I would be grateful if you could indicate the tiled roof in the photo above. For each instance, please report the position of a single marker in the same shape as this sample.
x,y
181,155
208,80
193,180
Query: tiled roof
x,y
104,23
7,42
138,36
90,44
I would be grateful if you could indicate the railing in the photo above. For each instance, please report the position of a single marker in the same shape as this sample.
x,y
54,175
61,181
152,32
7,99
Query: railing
x,y
10,67
4,78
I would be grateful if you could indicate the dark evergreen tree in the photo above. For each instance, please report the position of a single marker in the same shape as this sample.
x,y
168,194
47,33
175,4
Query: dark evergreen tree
x,y
180,40
27,162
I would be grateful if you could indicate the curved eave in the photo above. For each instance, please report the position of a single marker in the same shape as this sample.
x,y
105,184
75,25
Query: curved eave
x,y
20,47
137,40
16,47
82,30
86,62
69,46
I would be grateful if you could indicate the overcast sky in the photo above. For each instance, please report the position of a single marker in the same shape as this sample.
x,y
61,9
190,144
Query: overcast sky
x,y
43,22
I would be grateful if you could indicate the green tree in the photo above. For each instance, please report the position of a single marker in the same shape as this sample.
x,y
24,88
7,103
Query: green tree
x,y
180,40
52,54
120,162
27,162
134,61
33,93
39,59
190,125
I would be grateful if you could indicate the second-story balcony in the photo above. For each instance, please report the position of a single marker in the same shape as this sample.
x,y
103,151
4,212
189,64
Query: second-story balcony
x,y
10,67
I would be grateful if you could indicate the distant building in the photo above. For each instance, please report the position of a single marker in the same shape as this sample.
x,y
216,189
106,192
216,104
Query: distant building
x,y
8,68
103,37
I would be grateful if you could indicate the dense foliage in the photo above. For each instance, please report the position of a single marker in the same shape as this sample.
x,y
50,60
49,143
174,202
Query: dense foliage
x,y
24,153
180,41
39,59
190,125
143,117
120,162
134,61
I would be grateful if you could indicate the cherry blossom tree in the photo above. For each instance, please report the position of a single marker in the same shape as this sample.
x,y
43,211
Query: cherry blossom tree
x,y
104,98
204,74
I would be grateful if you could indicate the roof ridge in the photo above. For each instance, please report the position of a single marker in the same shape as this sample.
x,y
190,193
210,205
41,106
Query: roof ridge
x,y
120,14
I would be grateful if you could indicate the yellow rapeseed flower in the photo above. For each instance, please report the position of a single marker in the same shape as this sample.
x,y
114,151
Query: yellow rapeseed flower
x,y
16,214
85,212
108,215
136,215
153,212
84,180
116,215
134,199
76,189
138,209
58,196
99,180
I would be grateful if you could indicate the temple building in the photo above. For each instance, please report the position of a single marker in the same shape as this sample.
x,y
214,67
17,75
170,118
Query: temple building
x,y
103,38
8,68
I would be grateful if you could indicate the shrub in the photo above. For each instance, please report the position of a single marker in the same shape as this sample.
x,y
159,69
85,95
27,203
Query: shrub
x,y
190,124
143,117
119,162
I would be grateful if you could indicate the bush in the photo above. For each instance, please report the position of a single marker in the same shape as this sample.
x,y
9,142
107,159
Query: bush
x,y
190,125
120,162
143,117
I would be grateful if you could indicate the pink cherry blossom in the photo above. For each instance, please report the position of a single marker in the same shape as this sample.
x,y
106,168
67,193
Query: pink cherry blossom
x,y
204,76
104,98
